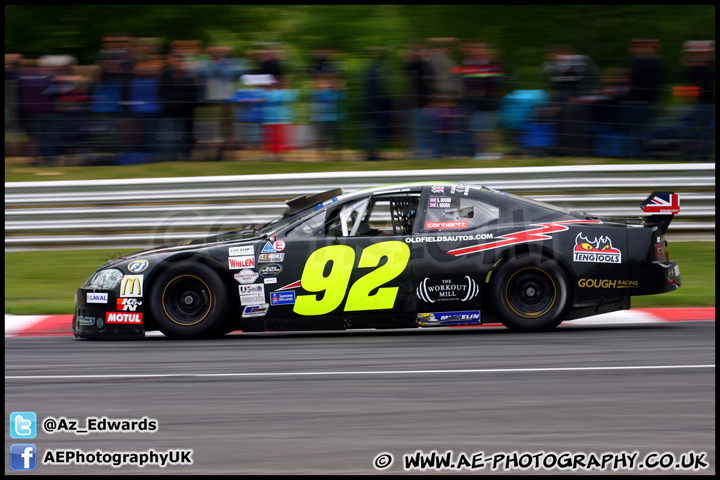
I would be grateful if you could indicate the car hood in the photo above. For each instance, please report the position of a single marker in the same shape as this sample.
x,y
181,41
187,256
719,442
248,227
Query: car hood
x,y
184,246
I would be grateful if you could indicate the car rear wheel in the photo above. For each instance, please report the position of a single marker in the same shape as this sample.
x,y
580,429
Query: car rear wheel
x,y
190,301
530,294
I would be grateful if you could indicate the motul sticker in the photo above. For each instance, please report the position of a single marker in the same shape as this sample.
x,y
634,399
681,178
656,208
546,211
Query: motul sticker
x,y
124,318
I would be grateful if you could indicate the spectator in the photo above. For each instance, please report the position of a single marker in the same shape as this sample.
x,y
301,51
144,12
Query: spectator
x,y
178,93
145,108
483,85
445,76
278,118
421,80
12,72
219,76
377,103
568,75
36,113
108,104
325,107
322,64
249,110
645,80
449,125
270,64
699,63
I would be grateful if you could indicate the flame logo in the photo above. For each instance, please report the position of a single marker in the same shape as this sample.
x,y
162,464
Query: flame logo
x,y
602,244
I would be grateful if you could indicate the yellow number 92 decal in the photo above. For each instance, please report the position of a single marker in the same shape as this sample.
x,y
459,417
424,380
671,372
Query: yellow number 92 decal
x,y
330,289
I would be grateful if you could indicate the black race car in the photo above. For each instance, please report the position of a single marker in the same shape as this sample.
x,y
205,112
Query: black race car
x,y
416,255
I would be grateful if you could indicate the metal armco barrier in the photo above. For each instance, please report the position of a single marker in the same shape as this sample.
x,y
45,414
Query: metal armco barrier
x,y
146,212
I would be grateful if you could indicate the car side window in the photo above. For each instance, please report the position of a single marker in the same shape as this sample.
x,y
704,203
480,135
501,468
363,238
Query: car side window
x,y
367,217
458,213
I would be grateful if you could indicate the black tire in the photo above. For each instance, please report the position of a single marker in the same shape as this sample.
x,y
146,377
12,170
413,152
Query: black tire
x,y
529,294
190,301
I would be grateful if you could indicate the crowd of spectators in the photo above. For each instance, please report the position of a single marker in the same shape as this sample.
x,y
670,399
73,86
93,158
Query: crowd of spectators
x,y
454,99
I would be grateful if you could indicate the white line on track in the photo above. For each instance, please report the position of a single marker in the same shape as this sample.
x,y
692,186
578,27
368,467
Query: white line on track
x,y
376,372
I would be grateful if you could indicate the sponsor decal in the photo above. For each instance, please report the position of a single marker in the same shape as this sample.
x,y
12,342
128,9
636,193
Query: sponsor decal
x,y
445,290
449,225
437,189
663,203
252,299
605,283
268,248
282,298
254,288
246,276
269,280
271,257
599,250
85,320
97,298
271,270
255,310
128,304
137,266
279,245
124,318
289,286
492,190
448,318
448,238
131,286
236,263
464,189
444,202
325,203
241,251
537,234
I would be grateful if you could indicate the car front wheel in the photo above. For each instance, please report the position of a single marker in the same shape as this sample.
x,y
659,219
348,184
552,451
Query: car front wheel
x,y
190,301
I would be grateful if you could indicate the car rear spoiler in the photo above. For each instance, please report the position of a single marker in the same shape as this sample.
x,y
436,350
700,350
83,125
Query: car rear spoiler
x,y
662,207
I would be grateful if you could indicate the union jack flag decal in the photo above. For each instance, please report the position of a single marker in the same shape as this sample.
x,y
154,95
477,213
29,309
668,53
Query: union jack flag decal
x,y
662,202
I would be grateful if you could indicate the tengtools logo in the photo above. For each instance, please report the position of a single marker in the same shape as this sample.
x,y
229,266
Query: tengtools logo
x,y
599,250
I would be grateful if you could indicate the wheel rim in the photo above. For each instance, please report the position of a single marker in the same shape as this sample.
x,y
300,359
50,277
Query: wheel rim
x,y
187,300
530,292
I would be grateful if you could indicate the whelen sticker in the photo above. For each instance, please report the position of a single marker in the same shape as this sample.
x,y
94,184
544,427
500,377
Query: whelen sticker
x,y
236,263
525,236
599,250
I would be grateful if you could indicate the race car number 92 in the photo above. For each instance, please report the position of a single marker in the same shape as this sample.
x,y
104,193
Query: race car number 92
x,y
336,283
